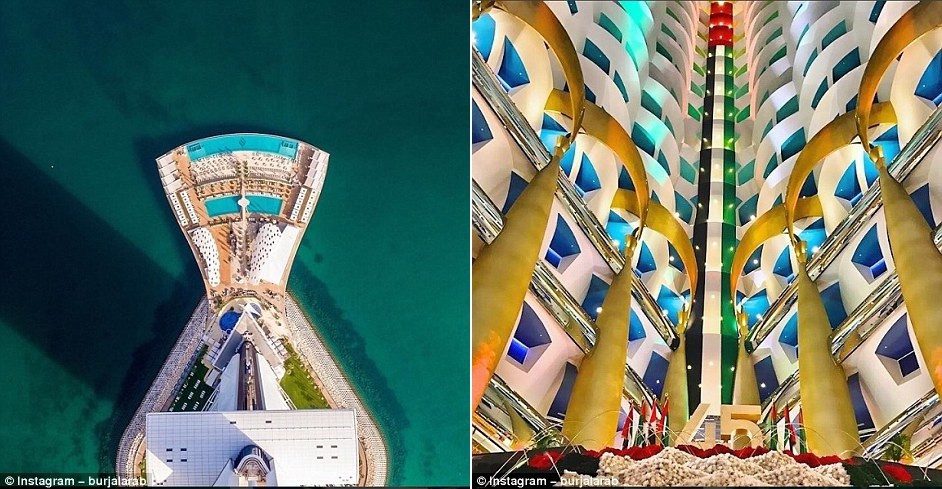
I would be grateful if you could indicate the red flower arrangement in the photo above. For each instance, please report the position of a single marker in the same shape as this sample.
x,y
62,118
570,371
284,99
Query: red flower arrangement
x,y
750,452
641,453
897,472
720,449
634,453
545,460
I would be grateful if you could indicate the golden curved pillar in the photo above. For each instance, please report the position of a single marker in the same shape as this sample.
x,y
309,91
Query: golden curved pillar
x,y
538,16
664,223
835,135
522,432
603,127
925,17
770,224
501,274
919,267
675,389
592,415
745,388
830,424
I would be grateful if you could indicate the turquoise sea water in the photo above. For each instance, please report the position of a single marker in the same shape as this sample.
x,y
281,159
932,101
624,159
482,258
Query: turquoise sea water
x,y
97,281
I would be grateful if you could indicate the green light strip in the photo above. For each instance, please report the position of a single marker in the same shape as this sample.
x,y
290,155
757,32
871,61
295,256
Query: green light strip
x,y
724,86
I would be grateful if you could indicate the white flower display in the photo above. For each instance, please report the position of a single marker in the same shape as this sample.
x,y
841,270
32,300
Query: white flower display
x,y
672,467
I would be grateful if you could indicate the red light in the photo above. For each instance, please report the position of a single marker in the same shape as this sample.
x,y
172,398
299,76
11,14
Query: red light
x,y
721,24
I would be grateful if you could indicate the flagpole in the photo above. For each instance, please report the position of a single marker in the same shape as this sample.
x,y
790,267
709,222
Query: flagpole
x,y
627,428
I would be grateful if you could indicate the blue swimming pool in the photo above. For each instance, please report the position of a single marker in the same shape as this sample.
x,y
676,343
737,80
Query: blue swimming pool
x,y
222,205
259,204
228,320
264,205
242,142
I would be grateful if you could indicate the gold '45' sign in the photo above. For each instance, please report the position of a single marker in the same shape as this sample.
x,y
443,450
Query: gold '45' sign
x,y
738,427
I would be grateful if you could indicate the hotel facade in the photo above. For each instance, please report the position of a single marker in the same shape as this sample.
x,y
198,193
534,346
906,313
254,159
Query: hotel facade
x,y
670,198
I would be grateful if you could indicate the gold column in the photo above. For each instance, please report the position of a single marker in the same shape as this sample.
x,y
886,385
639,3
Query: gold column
x,y
746,389
830,424
502,271
675,379
522,432
675,386
919,267
501,274
592,415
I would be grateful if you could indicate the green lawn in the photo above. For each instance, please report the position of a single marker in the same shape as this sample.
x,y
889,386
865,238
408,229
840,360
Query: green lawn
x,y
194,393
299,386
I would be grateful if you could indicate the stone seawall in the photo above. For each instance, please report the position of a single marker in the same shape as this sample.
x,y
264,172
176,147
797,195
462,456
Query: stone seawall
x,y
316,355
161,392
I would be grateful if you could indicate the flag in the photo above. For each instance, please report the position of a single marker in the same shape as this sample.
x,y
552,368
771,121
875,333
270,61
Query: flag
x,y
786,438
773,435
802,441
665,440
659,427
643,424
626,430
655,414
792,432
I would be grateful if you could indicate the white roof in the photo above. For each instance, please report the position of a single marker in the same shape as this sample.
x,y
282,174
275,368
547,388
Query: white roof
x,y
271,389
228,389
312,447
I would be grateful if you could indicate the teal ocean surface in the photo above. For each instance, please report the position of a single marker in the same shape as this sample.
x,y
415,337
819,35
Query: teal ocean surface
x,y
97,280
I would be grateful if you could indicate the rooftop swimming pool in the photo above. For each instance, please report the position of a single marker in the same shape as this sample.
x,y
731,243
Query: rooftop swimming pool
x,y
258,204
228,320
242,142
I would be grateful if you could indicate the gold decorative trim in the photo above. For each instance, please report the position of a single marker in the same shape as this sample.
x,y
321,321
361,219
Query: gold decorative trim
x,y
666,224
918,21
764,228
835,135
539,16
602,126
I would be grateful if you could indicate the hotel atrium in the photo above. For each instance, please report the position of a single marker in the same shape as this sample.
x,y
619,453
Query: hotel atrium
x,y
670,197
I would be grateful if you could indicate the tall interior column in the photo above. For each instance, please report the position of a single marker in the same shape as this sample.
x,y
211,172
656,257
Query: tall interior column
x,y
501,274
592,415
712,339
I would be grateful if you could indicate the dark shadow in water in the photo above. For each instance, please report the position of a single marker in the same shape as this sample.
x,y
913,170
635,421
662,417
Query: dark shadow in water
x,y
173,313
83,294
342,338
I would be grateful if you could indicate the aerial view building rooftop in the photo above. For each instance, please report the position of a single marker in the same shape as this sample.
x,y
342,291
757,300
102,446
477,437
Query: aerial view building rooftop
x,y
249,371
239,448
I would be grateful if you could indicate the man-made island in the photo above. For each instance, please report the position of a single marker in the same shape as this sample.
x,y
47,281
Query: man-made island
x,y
249,394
